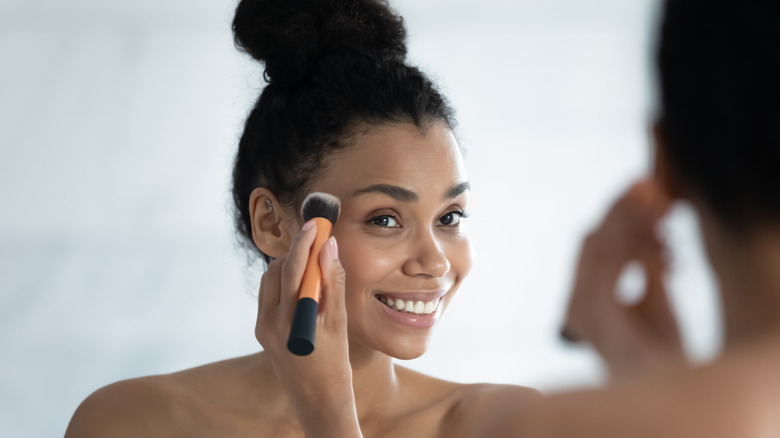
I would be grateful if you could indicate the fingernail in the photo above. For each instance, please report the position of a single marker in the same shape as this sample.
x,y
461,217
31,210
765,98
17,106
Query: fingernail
x,y
309,225
568,336
333,248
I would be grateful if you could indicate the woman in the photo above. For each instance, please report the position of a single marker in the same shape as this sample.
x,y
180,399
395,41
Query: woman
x,y
343,114
401,183
717,147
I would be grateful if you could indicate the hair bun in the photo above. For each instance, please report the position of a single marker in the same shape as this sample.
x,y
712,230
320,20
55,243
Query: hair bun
x,y
290,35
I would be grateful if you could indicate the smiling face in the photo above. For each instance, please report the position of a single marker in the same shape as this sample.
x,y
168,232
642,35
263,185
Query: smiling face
x,y
401,237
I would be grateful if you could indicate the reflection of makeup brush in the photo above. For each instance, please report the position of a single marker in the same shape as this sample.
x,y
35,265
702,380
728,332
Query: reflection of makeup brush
x,y
324,209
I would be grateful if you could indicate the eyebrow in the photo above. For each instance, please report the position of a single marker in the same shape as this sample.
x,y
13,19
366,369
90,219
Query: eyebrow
x,y
406,195
395,192
457,190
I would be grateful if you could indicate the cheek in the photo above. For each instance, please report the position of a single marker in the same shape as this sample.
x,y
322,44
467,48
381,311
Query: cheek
x,y
461,258
364,261
460,255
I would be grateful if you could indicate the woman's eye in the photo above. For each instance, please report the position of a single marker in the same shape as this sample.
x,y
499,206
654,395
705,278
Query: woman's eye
x,y
385,221
452,218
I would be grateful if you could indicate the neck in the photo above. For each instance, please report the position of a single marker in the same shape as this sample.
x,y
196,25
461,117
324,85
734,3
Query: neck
x,y
748,269
374,381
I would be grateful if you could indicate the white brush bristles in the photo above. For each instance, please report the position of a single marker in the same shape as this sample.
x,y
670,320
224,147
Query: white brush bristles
x,y
318,204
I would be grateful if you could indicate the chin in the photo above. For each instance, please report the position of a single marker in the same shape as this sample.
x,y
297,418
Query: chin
x,y
399,348
409,355
407,350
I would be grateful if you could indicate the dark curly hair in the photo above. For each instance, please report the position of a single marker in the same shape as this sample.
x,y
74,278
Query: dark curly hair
x,y
330,65
719,65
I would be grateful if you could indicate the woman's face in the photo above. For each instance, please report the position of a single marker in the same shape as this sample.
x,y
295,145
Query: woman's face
x,y
401,234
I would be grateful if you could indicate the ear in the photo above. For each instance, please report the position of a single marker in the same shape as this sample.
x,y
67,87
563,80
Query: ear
x,y
269,223
663,171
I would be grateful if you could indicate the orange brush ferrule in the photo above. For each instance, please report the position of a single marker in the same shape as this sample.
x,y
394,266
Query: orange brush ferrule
x,y
311,284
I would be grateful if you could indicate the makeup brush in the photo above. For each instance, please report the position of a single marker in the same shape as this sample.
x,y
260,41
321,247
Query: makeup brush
x,y
324,209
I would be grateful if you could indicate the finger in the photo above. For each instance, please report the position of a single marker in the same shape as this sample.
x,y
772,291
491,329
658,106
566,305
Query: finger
x,y
259,322
605,252
271,289
569,335
292,269
269,293
655,308
333,284
602,258
630,230
639,208
260,294
636,195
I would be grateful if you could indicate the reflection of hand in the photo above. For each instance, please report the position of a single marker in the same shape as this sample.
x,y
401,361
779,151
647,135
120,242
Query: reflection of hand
x,y
642,338
319,385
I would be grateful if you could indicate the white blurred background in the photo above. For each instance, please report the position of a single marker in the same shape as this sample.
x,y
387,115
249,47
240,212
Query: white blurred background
x,y
118,123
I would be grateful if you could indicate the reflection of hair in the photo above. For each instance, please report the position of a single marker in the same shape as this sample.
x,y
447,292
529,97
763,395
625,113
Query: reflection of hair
x,y
329,64
719,64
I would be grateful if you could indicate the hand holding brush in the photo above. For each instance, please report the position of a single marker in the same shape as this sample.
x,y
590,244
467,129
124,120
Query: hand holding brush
x,y
324,210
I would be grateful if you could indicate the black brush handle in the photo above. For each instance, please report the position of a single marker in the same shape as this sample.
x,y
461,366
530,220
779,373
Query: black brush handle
x,y
304,327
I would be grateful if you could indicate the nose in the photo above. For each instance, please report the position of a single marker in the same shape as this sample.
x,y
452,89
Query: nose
x,y
426,257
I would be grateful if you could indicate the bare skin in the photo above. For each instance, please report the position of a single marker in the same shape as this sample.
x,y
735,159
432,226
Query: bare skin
x,y
241,397
362,393
656,394
407,243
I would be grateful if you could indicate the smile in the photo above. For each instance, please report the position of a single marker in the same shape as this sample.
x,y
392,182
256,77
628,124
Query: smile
x,y
410,306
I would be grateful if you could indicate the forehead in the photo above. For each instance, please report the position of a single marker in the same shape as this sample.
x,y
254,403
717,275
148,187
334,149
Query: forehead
x,y
420,160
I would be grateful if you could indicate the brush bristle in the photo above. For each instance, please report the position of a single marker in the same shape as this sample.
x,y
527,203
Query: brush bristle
x,y
322,205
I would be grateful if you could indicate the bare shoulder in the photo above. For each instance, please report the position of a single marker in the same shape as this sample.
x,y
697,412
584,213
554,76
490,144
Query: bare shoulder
x,y
488,394
482,405
208,397
735,396
134,407
468,409
468,393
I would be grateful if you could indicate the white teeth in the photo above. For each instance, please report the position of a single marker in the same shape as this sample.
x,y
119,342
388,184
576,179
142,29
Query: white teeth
x,y
418,307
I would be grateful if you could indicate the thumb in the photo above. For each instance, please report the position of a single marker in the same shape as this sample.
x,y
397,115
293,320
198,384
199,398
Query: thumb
x,y
333,281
